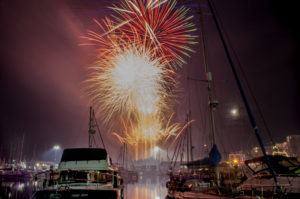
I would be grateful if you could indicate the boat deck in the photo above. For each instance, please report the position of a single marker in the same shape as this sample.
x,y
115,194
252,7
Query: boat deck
x,y
192,195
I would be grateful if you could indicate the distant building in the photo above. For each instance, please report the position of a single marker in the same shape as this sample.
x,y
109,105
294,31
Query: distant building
x,y
255,152
293,145
281,149
289,148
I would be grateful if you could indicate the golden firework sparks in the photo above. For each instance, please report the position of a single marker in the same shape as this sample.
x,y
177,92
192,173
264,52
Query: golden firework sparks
x,y
132,80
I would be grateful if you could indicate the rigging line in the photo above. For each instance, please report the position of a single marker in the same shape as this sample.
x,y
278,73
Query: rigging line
x,y
202,111
182,149
246,80
99,130
187,139
174,152
249,87
119,157
94,140
178,151
249,111
187,119
204,52
191,140
184,144
222,135
176,148
186,147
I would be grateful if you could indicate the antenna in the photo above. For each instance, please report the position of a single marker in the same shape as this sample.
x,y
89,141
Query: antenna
x,y
91,131
92,124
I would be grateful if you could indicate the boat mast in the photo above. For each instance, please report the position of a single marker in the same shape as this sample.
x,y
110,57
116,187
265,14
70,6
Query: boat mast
x,y
191,142
189,129
187,140
92,124
91,128
124,156
249,111
22,146
212,103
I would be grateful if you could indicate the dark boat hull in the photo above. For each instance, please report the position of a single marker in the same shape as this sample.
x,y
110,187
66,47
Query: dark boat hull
x,y
68,194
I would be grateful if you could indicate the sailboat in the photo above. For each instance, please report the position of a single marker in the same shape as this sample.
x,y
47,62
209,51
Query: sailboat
x,y
207,178
128,175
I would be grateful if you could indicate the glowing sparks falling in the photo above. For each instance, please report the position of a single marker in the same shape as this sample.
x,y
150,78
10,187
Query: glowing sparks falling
x,y
132,81
130,86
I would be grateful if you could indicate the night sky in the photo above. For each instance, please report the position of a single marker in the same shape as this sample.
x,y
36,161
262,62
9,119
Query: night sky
x,y
43,69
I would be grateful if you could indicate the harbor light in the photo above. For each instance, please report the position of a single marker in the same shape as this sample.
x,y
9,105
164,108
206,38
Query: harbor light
x,y
56,147
235,161
156,149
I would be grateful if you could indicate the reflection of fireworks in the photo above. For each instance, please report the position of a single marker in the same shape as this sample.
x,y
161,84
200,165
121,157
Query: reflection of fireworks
x,y
132,81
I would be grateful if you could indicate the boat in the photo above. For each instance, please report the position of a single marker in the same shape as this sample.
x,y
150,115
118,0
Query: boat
x,y
9,174
191,181
129,175
83,173
15,172
259,179
210,178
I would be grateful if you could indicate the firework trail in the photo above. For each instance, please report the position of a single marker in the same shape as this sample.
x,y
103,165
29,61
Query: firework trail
x,y
133,79
162,26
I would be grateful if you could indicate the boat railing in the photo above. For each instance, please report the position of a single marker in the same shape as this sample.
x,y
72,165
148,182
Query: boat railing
x,y
79,178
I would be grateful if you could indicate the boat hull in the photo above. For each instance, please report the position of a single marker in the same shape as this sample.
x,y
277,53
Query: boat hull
x,y
87,194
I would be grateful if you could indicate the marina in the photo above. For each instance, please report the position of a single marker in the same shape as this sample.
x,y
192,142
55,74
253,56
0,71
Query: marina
x,y
150,99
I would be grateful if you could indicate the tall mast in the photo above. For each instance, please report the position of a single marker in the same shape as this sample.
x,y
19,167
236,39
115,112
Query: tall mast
x,y
249,111
22,145
189,130
212,103
191,141
124,156
187,140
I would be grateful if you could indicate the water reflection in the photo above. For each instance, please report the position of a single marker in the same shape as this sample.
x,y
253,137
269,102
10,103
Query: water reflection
x,y
146,188
16,190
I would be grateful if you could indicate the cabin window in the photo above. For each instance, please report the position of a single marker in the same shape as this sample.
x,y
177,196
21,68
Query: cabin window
x,y
101,176
73,176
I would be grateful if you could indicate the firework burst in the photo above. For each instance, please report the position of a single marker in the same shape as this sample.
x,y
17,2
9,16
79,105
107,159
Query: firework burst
x,y
162,26
128,81
133,79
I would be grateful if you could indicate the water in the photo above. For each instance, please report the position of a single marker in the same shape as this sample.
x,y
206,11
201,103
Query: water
x,y
16,190
145,188
149,188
